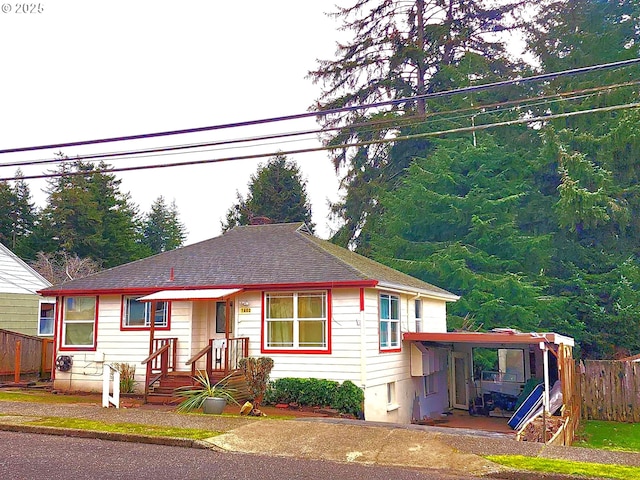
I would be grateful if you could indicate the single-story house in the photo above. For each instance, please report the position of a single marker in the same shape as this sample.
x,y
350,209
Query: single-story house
x,y
317,309
22,309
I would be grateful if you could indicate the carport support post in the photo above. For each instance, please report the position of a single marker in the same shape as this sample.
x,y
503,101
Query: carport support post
x,y
545,395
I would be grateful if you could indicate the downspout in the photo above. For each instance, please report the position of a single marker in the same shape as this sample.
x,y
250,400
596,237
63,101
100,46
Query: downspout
x,y
363,343
56,324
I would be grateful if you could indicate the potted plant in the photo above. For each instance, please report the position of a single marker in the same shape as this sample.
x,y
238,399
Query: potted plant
x,y
211,397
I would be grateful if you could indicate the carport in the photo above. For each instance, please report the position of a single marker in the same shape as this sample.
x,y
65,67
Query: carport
x,y
547,356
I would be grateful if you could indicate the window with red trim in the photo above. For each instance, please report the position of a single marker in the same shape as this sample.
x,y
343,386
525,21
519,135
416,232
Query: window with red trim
x,y
137,314
296,320
79,322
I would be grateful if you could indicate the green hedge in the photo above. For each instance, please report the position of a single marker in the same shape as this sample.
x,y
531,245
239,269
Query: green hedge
x,y
345,397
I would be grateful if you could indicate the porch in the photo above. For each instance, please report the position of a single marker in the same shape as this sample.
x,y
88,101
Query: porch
x,y
211,315
219,359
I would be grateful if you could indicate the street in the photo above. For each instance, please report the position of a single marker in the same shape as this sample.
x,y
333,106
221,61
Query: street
x,y
28,456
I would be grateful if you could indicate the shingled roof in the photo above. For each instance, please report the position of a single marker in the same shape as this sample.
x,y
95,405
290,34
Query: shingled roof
x,y
249,257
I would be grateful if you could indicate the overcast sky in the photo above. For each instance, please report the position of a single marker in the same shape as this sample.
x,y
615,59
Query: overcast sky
x,y
81,70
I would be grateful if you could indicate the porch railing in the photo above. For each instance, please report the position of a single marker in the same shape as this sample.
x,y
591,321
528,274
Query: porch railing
x,y
161,361
221,355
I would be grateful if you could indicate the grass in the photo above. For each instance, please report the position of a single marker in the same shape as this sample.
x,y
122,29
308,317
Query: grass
x,y
585,469
130,428
609,436
38,396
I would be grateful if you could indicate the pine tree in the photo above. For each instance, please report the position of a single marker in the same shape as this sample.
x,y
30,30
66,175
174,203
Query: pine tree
x,y
87,215
277,194
163,230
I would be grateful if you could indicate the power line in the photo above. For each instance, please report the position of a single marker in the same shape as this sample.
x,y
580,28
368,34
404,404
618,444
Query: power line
x,y
396,122
476,88
543,118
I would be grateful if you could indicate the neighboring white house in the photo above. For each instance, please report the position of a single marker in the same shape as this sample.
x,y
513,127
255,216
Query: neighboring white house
x,y
22,309
317,309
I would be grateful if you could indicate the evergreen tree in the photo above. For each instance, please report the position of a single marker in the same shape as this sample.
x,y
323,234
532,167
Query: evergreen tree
x,y
277,194
163,230
17,216
87,215
454,222
400,49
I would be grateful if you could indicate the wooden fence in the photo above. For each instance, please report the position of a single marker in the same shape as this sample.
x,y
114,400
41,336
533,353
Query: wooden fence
x,y
24,356
610,390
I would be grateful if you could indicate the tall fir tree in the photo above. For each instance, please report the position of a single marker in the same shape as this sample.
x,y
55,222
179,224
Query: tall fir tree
x,y
277,194
163,229
18,217
87,215
398,50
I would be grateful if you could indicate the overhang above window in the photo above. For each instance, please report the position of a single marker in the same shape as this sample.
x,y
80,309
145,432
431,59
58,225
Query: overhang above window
x,y
186,295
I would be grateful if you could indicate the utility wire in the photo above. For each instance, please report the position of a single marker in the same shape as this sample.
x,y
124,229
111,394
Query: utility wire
x,y
320,113
393,123
543,118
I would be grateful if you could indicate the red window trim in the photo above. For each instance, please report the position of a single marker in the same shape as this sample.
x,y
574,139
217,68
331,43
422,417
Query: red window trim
x,y
295,351
95,327
142,329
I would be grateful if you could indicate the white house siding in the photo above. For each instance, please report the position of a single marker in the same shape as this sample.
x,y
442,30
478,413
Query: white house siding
x,y
116,346
392,369
344,361
434,315
248,314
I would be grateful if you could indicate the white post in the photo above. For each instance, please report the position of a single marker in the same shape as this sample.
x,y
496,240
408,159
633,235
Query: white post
x,y
545,359
106,380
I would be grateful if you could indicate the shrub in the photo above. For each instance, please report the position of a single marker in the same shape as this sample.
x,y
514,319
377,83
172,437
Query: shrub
x,y
256,372
127,377
346,397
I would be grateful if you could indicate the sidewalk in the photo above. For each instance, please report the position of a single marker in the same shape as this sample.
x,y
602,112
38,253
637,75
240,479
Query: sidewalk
x,y
415,446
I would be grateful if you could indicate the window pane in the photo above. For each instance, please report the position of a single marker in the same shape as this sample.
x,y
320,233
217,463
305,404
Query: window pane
x,y
280,334
311,305
395,308
46,326
384,334
312,333
395,334
135,313
162,309
221,309
384,306
80,308
280,306
79,334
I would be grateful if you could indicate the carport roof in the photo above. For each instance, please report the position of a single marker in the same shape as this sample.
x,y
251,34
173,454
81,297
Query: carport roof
x,y
508,337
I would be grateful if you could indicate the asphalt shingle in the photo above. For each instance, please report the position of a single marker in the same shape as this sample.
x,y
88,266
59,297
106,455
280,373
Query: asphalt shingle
x,y
247,256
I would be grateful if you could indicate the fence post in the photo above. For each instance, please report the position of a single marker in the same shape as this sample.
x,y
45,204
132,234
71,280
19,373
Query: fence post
x,y
16,372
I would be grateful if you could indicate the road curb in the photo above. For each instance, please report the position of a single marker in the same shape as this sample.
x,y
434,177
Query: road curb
x,y
113,436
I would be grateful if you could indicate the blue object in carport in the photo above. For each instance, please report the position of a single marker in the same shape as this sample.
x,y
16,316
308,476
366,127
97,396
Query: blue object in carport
x,y
530,405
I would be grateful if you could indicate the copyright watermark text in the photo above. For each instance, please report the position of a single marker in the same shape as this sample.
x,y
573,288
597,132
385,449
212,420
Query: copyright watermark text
x,y
22,8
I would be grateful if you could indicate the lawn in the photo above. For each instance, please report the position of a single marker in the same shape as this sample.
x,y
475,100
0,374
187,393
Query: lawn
x,y
585,469
128,428
43,396
609,436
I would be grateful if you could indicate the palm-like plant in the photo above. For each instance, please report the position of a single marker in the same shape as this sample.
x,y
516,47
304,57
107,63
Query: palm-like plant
x,y
194,396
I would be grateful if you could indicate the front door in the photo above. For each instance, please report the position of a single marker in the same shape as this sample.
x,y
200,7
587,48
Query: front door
x,y
459,380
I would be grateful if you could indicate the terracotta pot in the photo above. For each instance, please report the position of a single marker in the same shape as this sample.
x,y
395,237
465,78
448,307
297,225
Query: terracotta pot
x,y
214,405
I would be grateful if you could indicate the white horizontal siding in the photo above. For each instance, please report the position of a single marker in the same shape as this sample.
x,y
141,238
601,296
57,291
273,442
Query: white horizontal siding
x,y
16,276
